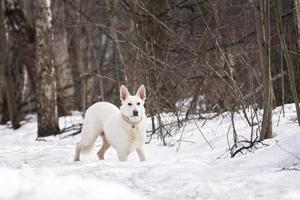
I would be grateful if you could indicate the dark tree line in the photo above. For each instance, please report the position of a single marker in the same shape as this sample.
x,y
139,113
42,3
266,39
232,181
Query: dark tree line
x,y
231,55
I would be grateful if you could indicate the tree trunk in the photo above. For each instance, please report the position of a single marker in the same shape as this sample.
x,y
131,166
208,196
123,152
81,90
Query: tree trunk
x,y
262,12
45,71
22,38
61,58
111,9
5,73
74,37
288,60
297,18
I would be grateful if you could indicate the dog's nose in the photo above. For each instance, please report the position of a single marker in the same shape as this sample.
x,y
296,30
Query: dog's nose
x,y
135,113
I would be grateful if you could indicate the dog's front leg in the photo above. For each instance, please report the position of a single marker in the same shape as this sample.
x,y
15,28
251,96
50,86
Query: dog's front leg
x,y
141,153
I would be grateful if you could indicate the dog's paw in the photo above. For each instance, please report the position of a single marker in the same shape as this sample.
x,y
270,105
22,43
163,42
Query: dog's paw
x,y
100,156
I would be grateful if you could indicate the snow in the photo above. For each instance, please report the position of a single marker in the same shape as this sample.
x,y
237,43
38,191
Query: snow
x,y
43,184
31,169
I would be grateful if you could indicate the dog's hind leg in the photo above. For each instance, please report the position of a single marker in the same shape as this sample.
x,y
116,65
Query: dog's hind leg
x,y
77,152
104,147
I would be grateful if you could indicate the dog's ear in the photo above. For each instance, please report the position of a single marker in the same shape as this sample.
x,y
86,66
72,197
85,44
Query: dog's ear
x,y
141,92
123,93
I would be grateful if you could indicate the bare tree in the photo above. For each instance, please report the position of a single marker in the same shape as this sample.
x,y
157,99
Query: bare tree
x,y
46,91
288,60
199,52
153,40
74,20
111,6
262,11
61,58
5,73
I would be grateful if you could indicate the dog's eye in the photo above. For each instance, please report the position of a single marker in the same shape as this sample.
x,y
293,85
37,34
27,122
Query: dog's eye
x,y
138,103
130,104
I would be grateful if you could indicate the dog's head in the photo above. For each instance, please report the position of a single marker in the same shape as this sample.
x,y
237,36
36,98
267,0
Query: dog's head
x,y
133,106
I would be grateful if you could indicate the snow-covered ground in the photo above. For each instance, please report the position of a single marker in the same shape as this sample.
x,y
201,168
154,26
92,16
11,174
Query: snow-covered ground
x,y
34,170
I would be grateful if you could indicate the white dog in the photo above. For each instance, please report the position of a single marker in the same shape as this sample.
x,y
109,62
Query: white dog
x,y
123,128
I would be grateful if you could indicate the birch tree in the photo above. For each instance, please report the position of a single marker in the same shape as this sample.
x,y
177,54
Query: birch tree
x,y
46,94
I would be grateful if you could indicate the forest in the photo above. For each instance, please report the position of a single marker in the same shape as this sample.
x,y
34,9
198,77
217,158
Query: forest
x,y
213,70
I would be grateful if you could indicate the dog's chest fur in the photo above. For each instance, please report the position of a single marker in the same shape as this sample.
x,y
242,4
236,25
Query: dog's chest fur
x,y
134,134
